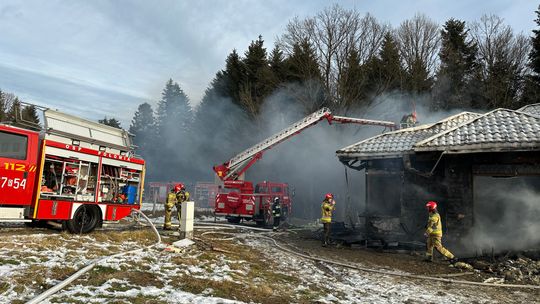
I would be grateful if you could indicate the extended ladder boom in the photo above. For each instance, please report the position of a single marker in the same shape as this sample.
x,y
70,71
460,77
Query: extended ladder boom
x,y
233,168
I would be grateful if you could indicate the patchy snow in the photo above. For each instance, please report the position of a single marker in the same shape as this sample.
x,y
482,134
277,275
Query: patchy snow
x,y
353,286
164,274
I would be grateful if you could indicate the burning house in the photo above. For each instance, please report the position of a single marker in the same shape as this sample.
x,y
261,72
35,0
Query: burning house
x,y
482,169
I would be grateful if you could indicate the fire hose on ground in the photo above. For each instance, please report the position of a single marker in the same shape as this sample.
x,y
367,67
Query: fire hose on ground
x,y
49,292
370,270
43,296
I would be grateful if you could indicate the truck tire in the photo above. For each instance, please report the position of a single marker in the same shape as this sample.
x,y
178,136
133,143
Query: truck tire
x,y
85,219
233,220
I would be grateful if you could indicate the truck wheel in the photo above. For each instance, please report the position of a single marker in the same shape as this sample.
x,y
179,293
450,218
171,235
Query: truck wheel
x,y
233,220
85,219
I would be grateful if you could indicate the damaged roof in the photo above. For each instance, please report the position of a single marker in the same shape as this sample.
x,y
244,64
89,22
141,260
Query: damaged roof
x,y
466,132
533,109
396,143
498,130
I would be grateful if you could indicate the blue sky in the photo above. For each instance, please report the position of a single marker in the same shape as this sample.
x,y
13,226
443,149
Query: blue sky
x,y
97,58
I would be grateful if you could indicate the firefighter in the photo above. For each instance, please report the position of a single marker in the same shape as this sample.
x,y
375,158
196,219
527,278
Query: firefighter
x,y
328,206
51,180
176,197
276,213
434,234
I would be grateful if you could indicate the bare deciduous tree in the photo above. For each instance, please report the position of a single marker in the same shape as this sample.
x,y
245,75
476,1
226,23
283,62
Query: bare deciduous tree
x,y
496,41
8,100
335,32
419,42
503,58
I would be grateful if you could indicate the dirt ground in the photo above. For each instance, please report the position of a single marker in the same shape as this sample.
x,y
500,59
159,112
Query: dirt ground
x,y
244,261
410,262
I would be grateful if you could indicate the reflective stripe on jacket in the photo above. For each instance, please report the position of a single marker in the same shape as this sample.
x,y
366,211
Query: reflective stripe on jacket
x,y
327,209
172,198
182,196
276,210
434,225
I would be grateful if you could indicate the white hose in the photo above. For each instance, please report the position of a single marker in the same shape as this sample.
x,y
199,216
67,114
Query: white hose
x,y
383,272
49,292
392,273
233,235
233,226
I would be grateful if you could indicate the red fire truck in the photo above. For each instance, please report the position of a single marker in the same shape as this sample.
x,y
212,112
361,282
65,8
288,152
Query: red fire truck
x,y
75,172
237,199
205,194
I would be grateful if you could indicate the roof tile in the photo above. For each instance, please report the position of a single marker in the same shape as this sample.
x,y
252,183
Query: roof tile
x,y
400,141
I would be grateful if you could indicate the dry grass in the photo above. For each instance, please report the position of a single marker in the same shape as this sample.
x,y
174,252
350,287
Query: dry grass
x,y
9,262
99,275
258,283
247,292
29,278
4,286
141,236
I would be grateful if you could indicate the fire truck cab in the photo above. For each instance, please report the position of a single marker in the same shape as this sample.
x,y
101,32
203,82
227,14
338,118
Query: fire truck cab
x,y
74,172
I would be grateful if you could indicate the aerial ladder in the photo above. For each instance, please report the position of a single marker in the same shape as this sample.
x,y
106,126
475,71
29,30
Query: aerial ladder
x,y
236,166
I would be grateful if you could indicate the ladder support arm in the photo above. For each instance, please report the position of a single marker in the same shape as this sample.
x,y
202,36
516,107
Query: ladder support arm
x,y
238,165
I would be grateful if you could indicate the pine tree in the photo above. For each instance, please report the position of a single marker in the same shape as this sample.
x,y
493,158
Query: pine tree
x,y
458,61
352,85
278,65
143,128
174,117
531,91
302,64
534,55
307,84
112,122
174,114
233,77
219,128
3,107
390,68
30,115
417,79
14,113
143,123
258,80
383,73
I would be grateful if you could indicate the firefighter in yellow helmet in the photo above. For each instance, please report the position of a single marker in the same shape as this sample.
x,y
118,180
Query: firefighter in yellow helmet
x,y
176,197
328,206
434,234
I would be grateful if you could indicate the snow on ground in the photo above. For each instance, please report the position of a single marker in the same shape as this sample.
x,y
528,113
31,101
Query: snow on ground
x,y
246,270
28,264
352,286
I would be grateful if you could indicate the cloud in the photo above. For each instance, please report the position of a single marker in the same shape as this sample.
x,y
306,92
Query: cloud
x,y
130,48
65,95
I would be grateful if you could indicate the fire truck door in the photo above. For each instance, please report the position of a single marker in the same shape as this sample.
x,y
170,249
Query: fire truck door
x,y
18,166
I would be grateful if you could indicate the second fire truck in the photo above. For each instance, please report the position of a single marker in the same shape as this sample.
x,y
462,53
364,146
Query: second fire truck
x,y
238,199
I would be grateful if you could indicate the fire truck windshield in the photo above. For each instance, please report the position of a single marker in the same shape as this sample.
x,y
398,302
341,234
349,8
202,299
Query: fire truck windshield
x,y
261,189
13,145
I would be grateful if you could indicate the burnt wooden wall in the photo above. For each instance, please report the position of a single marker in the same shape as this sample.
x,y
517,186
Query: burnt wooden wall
x,y
451,185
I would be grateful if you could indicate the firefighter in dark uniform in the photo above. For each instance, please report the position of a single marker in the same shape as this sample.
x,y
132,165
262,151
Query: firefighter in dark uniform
x,y
276,213
176,197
